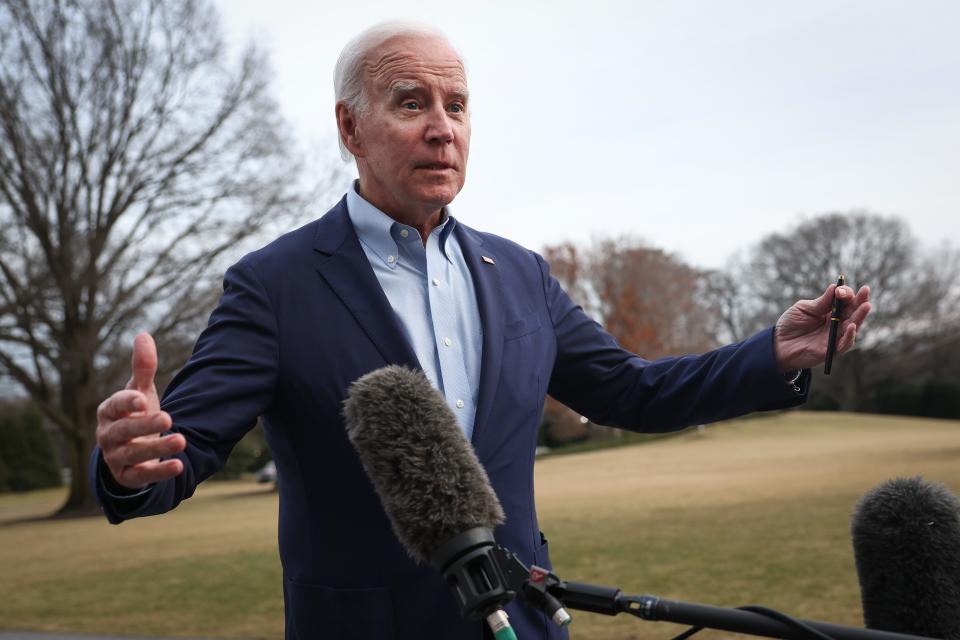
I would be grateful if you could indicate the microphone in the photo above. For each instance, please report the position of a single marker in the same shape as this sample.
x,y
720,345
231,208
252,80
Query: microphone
x,y
906,543
432,486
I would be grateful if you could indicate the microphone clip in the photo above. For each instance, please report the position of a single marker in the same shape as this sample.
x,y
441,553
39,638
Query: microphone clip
x,y
470,566
532,585
485,576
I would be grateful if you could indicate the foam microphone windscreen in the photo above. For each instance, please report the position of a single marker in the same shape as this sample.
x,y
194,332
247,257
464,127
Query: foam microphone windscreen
x,y
906,542
426,473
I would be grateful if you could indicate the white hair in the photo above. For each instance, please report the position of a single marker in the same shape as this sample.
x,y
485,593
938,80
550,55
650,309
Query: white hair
x,y
348,72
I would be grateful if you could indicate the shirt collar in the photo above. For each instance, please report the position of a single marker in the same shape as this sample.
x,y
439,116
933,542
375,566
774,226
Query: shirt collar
x,y
379,232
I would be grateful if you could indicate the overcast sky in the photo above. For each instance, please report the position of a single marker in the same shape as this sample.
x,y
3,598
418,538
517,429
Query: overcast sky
x,y
699,126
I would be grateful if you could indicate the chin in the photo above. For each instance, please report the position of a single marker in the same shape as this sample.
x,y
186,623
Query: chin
x,y
439,197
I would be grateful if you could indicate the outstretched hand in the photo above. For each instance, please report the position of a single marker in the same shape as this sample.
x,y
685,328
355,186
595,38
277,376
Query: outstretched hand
x,y
800,337
129,424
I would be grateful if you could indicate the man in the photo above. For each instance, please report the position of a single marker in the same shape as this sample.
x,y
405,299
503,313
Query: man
x,y
388,276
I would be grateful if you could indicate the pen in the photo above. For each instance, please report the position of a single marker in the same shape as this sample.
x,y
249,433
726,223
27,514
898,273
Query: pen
x,y
834,324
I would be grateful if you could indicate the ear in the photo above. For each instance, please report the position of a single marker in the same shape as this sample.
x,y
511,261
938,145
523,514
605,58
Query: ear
x,y
348,130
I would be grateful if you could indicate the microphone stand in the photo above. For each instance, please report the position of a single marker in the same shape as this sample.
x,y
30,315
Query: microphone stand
x,y
543,590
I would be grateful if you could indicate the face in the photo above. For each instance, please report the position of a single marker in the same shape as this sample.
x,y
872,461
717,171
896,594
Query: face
x,y
412,141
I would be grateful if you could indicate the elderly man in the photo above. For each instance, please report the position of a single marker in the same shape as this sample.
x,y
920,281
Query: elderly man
x,y
389,276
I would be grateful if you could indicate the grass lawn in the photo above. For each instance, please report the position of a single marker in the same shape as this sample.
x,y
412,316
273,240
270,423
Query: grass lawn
x,y
753,511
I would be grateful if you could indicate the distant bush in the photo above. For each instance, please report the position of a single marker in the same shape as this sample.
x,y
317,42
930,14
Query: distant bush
x,y
931,399
26,455
248,456
821,402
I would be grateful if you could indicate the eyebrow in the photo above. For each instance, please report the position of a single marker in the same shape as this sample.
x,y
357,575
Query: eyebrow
x,y
404,86
407,86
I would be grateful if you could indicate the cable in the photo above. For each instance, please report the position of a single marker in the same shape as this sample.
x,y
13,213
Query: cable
x,y
803,628
689,632
787,620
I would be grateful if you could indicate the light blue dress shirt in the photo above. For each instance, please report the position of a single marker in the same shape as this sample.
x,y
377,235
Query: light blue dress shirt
x,y
431,291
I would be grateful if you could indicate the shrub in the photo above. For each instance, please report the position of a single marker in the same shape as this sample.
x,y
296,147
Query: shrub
x,y
26,455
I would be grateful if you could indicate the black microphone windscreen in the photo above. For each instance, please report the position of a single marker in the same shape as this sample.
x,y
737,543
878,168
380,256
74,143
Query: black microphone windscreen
x,y
906,542
426,473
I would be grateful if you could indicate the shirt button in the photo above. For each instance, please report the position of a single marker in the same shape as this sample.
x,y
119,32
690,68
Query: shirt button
x,y
404,233
459,404
391,259
436,282
447,341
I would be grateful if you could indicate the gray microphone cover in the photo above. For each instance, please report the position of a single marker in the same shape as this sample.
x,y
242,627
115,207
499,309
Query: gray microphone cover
x,y
906,543
427,475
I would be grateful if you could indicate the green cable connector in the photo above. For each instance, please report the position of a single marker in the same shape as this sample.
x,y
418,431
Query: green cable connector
x,y
500,625
505,633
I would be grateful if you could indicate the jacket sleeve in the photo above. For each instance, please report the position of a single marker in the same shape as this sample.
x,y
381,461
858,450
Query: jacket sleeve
x,y
594,376
215,399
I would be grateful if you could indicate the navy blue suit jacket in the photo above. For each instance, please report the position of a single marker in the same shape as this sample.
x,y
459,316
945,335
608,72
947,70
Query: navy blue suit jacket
x,y
305,316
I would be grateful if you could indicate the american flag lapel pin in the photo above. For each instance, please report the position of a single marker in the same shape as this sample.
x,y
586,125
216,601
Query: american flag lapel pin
x,y
487,259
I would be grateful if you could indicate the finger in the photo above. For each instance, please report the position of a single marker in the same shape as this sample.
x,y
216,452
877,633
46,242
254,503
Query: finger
x,y
845,294
821,305
854,302
124,430
847,339
143,364
859,314
140,475
144,450
120,405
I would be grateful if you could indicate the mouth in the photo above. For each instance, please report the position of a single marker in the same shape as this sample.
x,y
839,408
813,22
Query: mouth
x,y
435,166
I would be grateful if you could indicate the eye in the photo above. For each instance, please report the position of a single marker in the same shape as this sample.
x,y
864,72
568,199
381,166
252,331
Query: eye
x,y
456,107
410,105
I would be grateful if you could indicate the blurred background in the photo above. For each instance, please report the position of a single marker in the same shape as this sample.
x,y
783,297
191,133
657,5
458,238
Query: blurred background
x,y
689,169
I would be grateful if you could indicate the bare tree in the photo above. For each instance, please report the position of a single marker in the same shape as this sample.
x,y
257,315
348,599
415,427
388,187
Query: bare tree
x,y
728,298
135,160
868,249
915,290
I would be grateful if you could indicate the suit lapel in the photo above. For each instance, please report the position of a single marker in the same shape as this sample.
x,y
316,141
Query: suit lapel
x,y
346,269
489,287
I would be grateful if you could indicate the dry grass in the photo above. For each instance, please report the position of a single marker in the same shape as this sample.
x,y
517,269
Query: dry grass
x,y
210,568
753,511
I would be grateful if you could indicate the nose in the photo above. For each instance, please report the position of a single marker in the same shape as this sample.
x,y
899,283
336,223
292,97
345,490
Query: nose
x,y
439,128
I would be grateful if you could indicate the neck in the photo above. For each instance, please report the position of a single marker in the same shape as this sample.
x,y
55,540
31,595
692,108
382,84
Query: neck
x,y
423,219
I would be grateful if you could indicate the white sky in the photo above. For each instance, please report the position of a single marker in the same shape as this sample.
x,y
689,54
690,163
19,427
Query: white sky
x,y
699,126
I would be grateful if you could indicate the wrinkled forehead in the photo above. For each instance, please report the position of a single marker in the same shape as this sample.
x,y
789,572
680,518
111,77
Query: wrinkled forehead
x,y
406,60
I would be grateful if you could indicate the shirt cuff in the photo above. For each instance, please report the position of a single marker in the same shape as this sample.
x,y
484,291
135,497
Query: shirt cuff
x,y
799,380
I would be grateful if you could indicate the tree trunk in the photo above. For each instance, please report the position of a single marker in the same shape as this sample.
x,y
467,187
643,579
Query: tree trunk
x,y
80,501
77,401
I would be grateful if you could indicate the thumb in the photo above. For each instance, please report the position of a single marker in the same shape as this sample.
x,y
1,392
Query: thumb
x,y
143,362
824,303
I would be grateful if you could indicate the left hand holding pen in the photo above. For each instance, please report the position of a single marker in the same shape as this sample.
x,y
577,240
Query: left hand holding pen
x,y
800,337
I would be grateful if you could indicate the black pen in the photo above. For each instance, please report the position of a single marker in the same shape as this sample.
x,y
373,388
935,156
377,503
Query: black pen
x,y
834,325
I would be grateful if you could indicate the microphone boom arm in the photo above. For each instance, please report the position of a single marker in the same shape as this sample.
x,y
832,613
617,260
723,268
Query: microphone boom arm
x,y
544,590
755,621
